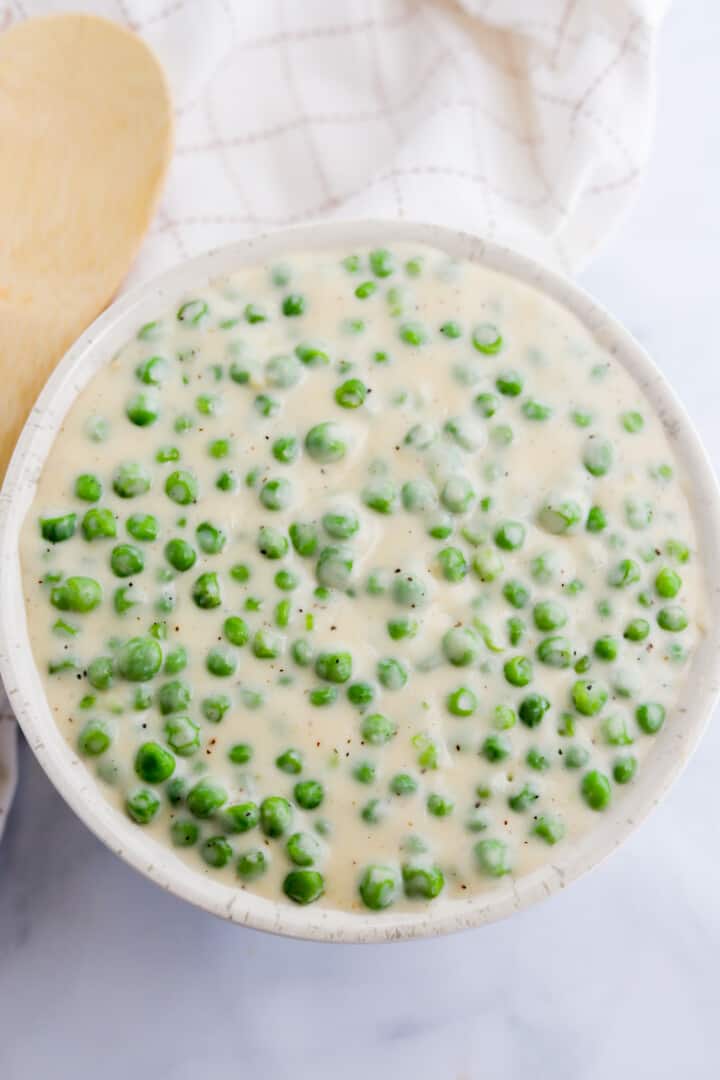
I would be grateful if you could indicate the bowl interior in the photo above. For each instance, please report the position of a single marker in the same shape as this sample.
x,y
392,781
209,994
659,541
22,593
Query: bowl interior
x,y
673,745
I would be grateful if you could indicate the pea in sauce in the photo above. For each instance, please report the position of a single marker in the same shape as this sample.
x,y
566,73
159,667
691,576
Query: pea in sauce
x,y
364,580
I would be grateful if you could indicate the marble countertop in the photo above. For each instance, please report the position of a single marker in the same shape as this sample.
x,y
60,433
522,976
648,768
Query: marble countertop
x,y
103,974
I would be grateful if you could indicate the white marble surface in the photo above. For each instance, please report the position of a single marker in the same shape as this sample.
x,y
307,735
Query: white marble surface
x,y
101,974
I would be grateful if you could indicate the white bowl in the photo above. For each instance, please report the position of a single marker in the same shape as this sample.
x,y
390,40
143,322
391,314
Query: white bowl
x,y
672,748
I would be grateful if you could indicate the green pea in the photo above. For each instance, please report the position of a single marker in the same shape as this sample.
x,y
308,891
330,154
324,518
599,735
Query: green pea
x,y
294,304
174,697
510,535
252,865
360,694
142,410
167,453
624,769
451,330
153,764
678,550
392,674
285,449
100,672
377,729
78,594
335,667
668,583
254,315
139,659
308,794
532,709
597,456
596,519
493,857
241,817
495,748
453,564
275,816
334,568
205,798
549,829
422,882
143,526
549,615
210,538
632,422
182,735
382,262
509,383
351,394
518,671
341,524
561,517
142,806
304,538
236,630
367,288
487,563
380,496
97,429
402,627
461,646
523,799
457,495
595,790
487,339
535,759
637,630
325,443
184,833
276,494
311,355
576,757
606,648
462,702
180,554
614,731
175,660
283,371
403,784
88,487
214,708
302,653
94,739
221,662
535,410
266,645
151,371
126,560
206,591
409,590
650,717
439,805
516,594
379,887
99,523
555,651
271,543
364,772
216,851
672,618
303,849
486,404
192,312
181,486
240,753
413,333
588,697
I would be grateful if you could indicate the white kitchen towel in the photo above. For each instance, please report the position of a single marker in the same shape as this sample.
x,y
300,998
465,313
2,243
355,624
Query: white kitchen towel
x,y
528,121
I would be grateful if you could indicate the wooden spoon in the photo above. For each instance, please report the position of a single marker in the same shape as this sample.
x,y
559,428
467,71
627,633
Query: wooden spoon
x,y
85,140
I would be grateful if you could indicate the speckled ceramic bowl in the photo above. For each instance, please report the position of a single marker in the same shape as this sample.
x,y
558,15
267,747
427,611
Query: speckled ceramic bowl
x,y
673,745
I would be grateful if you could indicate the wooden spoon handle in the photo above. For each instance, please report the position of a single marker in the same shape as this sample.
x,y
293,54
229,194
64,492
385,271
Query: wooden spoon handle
x,y
85,140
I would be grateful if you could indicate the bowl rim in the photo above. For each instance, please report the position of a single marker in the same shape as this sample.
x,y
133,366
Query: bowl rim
x,y
68,774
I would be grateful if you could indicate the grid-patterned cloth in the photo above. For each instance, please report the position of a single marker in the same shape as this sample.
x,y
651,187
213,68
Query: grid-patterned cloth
x,y
528,121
